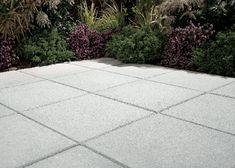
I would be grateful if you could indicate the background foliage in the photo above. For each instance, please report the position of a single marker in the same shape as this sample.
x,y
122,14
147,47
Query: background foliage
x,y
178,51
45,48
134,30
136,45
217,57
8,56
86,43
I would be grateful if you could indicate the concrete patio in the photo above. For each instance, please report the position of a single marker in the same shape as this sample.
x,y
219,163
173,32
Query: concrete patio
x,y
104,114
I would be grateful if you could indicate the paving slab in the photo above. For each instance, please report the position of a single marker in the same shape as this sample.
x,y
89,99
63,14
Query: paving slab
x,y
56,70
151,95
97,63
140,71
163,142
23,141
94,80
228,90
5,111
87,116
14,78
210,110
78,157
193,80
36,94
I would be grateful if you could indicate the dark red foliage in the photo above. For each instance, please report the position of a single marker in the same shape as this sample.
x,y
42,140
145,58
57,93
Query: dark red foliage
x,y
7,54
178,51
86,43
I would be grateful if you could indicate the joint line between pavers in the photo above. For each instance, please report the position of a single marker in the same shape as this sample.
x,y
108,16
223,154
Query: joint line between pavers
x,y
75,141
182,87
72,73
144,107
220,87
160,111
35,121
104,70
139,78
28,83
105,156
117,128
221,95
195,123
95,68
51,80
167,108
63,100
149,80
48,156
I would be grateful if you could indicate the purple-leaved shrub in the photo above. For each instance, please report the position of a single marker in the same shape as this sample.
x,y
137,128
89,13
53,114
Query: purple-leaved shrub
x,y
7,54
86,43
179,48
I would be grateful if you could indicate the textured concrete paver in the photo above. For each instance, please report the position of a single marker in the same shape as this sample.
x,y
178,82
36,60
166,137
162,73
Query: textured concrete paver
x,y
53,71
23,141
5,111
162,142
228,90
203,82
14,78
87,116
37,94
150,95
140,71
210,110
78,157
44,116
94,80
97,63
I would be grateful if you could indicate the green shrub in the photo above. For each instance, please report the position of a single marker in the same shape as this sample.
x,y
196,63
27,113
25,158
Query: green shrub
x,y
136,45
46,48
217,57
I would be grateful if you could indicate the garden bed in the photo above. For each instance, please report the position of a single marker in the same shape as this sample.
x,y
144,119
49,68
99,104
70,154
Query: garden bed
x,y
172,33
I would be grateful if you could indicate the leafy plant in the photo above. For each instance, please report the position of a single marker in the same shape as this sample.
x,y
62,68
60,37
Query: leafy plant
x,y
144,12
112,17
177,13
217,57
18,17
178,51
7,54
220,13
89,14
86,43
136,45
64,17
166,13
46,48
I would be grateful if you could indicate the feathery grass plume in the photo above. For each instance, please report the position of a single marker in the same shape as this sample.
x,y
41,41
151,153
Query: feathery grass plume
x,y
112,17
89,14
